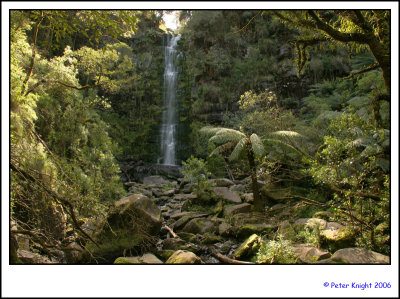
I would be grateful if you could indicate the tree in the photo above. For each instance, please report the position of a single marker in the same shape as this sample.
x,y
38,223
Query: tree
x,y
360,28
251,146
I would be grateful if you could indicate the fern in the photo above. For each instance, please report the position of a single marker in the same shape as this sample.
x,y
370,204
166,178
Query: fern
x,y
225,135
257,145
286,148
238,149
286,134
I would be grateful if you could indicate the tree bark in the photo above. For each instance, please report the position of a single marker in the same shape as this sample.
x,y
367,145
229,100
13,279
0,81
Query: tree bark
x,y
258,204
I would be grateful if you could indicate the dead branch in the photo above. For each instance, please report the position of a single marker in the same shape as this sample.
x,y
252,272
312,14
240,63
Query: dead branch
x,y
170,231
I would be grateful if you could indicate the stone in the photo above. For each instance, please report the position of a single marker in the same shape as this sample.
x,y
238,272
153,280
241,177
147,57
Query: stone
x,y
248,197
242,208
238,188
276,208
200,225
172,243
302,223
333,225
248,248
142,207
127,260
210,239
28,257
323,215
74,254
337,239
254,228
309,254
157,193
183,197
286,230
169,192
356,256
224,229
184,257
221,182
228,195
154,180
149,258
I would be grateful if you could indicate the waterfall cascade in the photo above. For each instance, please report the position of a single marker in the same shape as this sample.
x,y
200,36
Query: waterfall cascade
x,y
169,115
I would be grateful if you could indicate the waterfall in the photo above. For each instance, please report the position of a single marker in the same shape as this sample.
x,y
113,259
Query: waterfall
x,y
169,115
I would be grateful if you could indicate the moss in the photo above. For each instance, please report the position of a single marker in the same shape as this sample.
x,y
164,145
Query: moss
x,y
127,260
211,239
248,247
338,239
165,254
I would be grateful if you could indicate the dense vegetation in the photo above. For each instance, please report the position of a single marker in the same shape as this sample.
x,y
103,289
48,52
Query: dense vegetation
x,y
297,99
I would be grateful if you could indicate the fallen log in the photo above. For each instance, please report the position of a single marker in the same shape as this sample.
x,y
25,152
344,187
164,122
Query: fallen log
x,y
171,231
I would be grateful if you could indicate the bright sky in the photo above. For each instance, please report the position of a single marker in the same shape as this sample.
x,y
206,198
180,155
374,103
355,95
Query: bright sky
x,y
171,20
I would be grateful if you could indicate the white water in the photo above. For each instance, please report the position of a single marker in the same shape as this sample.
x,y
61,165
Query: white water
x,y
169,116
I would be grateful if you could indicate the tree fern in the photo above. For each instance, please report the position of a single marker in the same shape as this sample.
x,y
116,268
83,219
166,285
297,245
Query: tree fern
x,y
257,145
240,146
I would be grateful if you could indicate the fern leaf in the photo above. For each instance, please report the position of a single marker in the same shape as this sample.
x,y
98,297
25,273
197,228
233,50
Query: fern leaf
x,y
286,134
224,135
238,149
257,145
208,130
222,148
284,146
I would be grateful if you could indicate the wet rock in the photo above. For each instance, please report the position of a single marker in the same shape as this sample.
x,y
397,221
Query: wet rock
x,y
228,195
356,256
184,257
242,208
248,247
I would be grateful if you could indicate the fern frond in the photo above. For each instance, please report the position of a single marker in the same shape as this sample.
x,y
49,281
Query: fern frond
x,y
257,145
286,134
238,149
208,130
284,146
222,148
224,135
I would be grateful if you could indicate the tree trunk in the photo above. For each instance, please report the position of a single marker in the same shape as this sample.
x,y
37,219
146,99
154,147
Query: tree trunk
x,y
258,204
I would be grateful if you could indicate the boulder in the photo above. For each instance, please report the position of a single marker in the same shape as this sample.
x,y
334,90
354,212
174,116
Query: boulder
x,y
242,208
254,228
337,239
309,254
147,258
154,180
224,229
238,188
302,223
200,225
183,197
323,215
184,257
137,206
356,256
28,257
228,195
286,230
169,192
222,182
248,197
248,247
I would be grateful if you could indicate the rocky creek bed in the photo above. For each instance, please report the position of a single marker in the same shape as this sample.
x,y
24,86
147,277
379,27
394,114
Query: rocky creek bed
x,y
162,221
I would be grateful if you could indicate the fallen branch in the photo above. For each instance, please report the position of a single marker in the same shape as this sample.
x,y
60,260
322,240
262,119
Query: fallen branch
x,y
170,231
228,260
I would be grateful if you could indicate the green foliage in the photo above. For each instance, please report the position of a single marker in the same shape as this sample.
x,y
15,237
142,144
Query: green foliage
x,y
277,251
195,170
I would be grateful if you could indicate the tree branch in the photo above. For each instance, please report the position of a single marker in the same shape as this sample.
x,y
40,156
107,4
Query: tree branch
x,y
361,71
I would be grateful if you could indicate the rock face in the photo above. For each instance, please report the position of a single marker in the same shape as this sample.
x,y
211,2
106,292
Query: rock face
x,y
184,257
356,256
228,195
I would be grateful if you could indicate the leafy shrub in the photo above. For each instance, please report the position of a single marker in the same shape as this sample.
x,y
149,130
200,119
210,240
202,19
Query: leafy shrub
x,y
276,252
195,170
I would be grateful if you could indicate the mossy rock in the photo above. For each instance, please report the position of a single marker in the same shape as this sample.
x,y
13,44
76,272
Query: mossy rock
x,y
248,248
127,260
337,239
325,215
184,257
165,254
186,236
211,239
248,229
286,230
